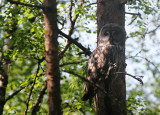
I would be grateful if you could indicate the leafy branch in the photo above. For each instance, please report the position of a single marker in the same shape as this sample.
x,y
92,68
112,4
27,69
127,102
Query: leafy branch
x,y
27,103
16,92
71,28
86,80
25,4
36,106
69,63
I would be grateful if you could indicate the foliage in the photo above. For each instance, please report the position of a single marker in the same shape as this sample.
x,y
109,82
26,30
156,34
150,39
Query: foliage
x,y
24,27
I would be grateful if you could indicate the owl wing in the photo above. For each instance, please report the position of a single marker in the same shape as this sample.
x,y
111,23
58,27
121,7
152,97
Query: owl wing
x,y
97,68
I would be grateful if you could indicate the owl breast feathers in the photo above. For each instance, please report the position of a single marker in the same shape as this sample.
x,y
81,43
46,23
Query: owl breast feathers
x,y
111,44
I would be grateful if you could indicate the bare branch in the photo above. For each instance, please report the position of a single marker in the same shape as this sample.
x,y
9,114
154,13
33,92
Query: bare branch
x,y
85,50
145,59
138,78
132,20
154,29
86,80
27,103
149,62
36,106
25,4
132,13
92,4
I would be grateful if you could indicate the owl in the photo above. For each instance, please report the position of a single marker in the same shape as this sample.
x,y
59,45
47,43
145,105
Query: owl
x,y
105,58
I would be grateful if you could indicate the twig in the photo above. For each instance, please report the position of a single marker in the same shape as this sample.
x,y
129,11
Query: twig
x,y
68,63
132,20
24,4
15,93
39,99
154,29
2,6
20,89
85,50
138,78
72,24
132,13
145,59
27,103
91,4
149,61
86,80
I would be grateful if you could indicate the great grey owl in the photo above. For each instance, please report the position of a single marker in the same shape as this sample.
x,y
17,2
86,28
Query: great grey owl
x,y
105,58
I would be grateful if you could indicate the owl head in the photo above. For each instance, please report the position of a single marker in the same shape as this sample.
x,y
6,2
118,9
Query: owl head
x,y
113,34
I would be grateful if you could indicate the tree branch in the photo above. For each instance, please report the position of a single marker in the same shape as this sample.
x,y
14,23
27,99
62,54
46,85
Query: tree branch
x,y
85,50
154,29
15,93
86,80
36,106
72,24
2,6
24,4
138,78
68,63
132,13
145,59
27,103
20,89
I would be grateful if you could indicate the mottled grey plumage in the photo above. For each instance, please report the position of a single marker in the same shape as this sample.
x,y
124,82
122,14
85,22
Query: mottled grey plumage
x,y
105,58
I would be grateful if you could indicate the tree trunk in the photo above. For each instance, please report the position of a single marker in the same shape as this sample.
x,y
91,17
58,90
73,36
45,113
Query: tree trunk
x,y
114,103
5,61
51,52
3,86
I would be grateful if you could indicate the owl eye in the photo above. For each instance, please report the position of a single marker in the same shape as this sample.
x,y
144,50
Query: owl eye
x,y
106,33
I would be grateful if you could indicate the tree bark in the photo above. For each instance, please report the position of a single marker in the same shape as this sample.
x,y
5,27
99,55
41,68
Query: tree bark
x,y
51,52
114,103
3,86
